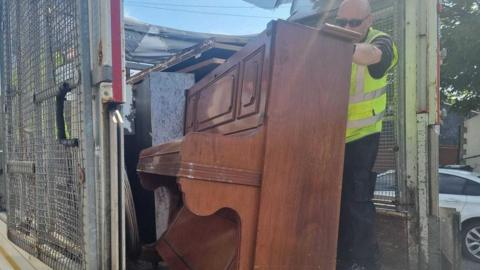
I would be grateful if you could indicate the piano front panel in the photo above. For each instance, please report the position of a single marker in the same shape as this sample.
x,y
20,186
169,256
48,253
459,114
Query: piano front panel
x,y
216,101
232,98
249,101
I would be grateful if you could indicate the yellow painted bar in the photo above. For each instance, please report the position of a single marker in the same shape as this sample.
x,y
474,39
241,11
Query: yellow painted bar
x,y
14,258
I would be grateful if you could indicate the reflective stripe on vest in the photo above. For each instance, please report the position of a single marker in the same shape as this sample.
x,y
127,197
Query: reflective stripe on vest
x,y
360,95
367,96
366,121
360,80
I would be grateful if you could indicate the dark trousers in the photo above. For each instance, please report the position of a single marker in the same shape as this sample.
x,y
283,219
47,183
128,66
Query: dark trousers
x,y
357,240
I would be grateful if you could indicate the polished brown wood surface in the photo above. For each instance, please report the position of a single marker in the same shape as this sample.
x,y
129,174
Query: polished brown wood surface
x,y
189,233
304,146
260,166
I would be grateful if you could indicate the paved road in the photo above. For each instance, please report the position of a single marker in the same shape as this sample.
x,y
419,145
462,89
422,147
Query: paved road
x,y
469,265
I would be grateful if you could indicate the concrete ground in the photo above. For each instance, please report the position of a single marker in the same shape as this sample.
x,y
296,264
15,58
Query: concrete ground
x,y
142,265
469,265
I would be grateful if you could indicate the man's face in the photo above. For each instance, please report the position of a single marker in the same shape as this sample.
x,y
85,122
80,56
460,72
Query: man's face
x,y
354,18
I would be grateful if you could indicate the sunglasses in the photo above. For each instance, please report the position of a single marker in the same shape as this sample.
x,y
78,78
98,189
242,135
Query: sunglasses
x,y
351,23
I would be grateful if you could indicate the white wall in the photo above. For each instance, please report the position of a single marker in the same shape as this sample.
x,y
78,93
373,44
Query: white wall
x,y
472,142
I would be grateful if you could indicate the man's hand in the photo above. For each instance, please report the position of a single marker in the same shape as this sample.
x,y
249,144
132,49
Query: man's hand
x,y
366,54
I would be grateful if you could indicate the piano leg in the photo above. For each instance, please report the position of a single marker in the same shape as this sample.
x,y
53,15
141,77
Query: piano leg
x,y
204,198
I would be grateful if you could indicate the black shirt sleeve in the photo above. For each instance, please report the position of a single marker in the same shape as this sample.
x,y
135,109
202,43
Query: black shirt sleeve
x,y
385,44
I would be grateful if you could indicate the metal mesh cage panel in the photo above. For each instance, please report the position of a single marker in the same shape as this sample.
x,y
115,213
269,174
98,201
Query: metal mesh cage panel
x,y
3,186
386,14
43,127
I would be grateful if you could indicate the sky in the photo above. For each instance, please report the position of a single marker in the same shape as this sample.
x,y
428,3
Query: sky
x,y
234,17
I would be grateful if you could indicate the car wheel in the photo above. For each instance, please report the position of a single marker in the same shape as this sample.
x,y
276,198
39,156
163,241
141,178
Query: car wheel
x,y
471,241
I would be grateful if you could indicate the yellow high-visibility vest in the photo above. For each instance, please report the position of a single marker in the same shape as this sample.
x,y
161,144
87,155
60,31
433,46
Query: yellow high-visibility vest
x,y
368,97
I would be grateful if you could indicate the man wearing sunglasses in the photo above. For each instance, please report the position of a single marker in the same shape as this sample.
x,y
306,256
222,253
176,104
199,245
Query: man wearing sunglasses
x,y
374,55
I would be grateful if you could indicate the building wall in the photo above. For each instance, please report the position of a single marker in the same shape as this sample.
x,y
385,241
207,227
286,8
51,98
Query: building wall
x,y
471,146
450,136
448,154
451,124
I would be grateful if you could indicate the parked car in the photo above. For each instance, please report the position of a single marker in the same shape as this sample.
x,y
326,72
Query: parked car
x,y
458,189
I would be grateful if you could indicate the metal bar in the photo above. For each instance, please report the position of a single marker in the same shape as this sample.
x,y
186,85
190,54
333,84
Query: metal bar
x,y
6,80
421,140
108,63
476,156
433,56
51,93
228,47
3,40
433,198
422,190
116,190
100,73
116,35
427,102
92,251
20,81
433,94
121,190
211,61
422,43
401,176
21,166
102,157
2,115
138,66
410,125
114,196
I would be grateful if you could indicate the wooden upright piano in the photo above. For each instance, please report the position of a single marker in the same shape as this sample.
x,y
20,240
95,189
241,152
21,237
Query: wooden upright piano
x,y
258,174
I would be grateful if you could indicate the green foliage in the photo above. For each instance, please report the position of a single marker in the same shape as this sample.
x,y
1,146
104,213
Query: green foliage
x,y
460,71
